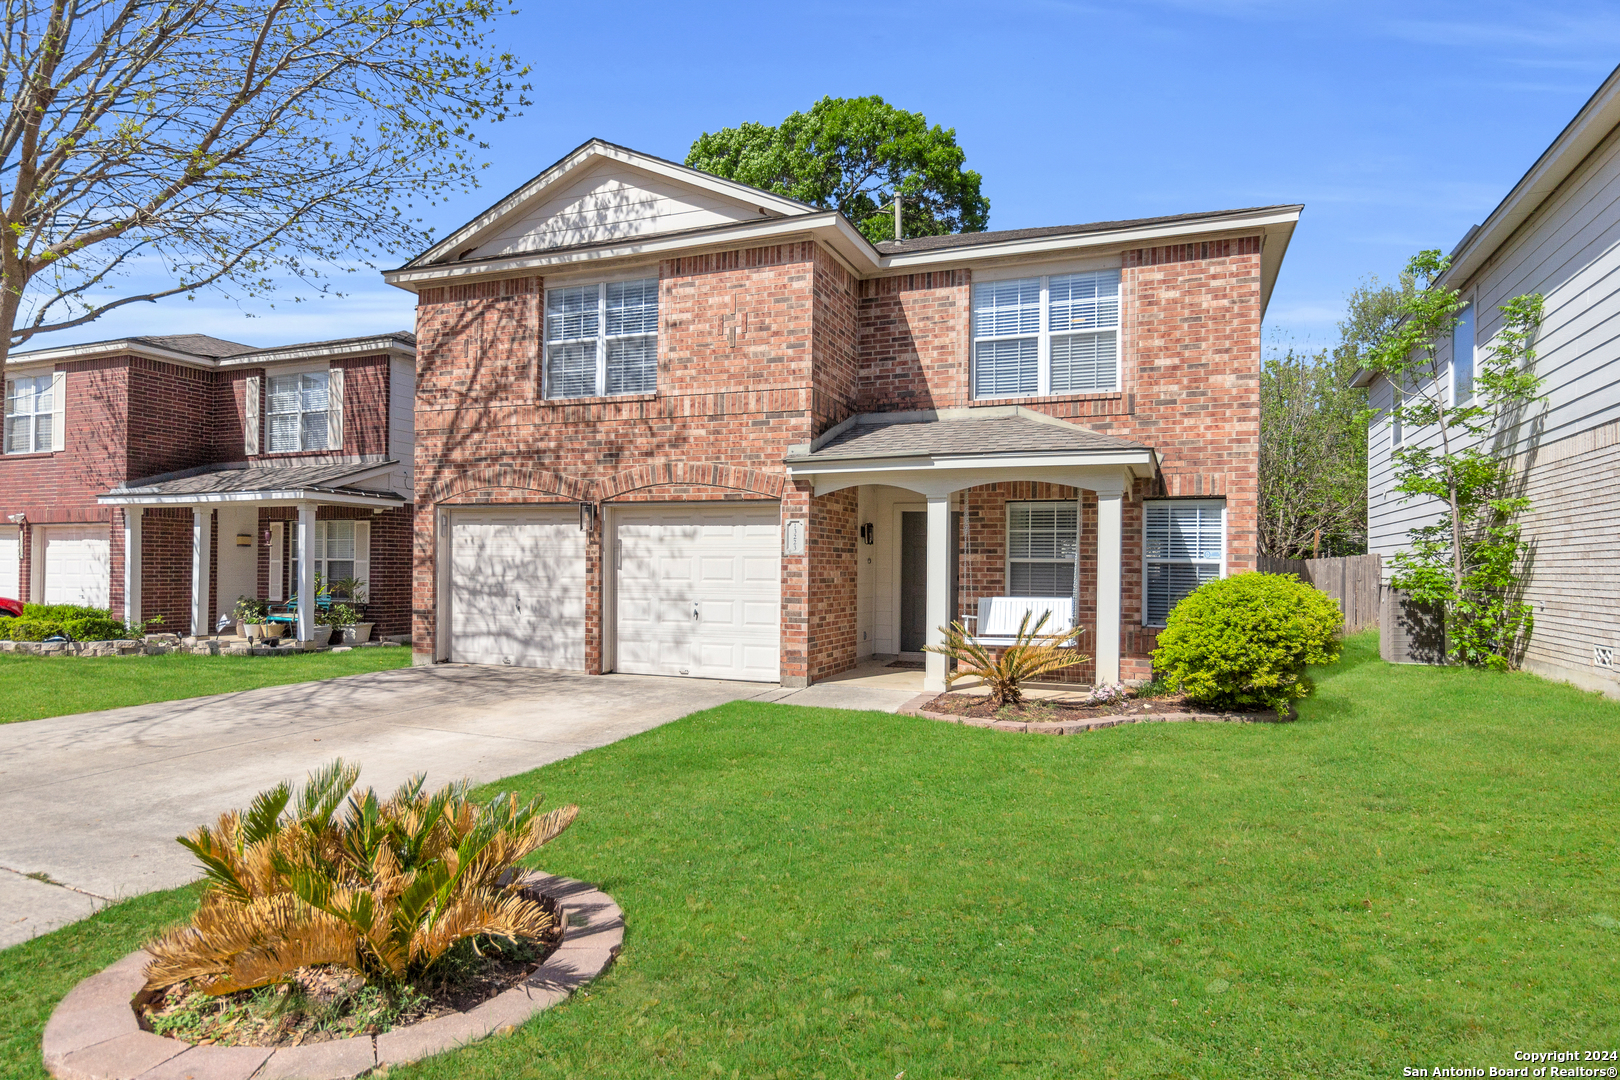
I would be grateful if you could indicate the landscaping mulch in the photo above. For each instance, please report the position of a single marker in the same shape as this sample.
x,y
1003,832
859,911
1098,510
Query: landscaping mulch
x,y
1063,710
330,1001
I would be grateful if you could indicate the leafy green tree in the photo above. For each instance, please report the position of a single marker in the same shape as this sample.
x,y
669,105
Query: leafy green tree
x,y
1460,451
855,155
227,146
1313,438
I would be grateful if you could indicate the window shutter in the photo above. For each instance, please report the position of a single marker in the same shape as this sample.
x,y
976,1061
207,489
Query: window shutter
x,y
250,422
58,410
362,554
277,552
334,409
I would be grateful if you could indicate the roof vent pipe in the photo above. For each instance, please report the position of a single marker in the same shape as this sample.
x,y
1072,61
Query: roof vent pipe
x,y
897,234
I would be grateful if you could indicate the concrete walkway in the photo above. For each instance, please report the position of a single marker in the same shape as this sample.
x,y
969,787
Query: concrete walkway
x,y
92,802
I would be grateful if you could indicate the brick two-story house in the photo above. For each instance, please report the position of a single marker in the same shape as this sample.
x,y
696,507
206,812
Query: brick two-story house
x,y
671,424
170,475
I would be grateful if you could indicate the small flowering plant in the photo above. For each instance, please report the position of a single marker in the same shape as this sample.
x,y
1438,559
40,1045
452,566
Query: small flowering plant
x,y
1107,694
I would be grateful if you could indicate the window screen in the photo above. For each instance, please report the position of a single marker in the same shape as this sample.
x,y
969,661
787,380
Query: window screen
x,y
1046,335
602,339
296,411
1042,545
1184,545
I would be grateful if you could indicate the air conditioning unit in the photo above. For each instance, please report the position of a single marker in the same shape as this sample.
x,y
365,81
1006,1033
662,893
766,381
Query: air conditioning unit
x,y
1410,632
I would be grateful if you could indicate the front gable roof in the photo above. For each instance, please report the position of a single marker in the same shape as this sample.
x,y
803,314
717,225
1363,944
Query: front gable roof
x,y
600,193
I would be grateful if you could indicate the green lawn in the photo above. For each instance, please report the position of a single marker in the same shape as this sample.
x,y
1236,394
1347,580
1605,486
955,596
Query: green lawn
x,y
1420,871
32,687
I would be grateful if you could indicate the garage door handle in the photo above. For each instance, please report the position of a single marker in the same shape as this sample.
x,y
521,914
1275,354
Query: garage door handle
x,y
694,611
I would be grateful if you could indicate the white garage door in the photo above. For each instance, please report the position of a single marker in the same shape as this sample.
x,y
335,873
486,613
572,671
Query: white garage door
x,y
517,588
10,583
699,591
78,565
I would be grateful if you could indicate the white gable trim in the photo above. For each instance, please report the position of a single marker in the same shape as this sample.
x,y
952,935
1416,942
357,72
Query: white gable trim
x,y
471,234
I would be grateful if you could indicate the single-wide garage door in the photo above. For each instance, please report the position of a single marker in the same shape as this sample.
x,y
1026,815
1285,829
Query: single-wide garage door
x,y
699,591
10,567
78,565
517,588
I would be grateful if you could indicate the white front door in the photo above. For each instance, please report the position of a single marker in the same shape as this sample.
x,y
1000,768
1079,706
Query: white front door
x,y
78,565
10,567
517,588
699,591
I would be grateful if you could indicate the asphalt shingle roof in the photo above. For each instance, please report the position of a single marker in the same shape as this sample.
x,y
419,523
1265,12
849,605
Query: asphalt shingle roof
x,y
218,479
956,240
992,435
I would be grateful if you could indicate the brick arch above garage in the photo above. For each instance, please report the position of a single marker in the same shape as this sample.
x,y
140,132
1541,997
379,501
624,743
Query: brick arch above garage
x,y
507,484
693,475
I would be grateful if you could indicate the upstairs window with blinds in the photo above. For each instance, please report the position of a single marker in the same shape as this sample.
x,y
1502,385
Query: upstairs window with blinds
x,y
30,414
1057,334
1184,545
297,412
1043,543
602,339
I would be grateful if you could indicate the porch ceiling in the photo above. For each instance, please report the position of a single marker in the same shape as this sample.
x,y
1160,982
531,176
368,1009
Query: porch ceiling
x,y
324,483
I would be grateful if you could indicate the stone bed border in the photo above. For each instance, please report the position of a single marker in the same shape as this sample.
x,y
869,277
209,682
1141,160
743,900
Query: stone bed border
x,y
94,1033
160,644
914,707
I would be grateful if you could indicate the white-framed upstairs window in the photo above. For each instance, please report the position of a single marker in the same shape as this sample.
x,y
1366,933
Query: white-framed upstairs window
x,y
301,410
1043,548
1054,334
34,413
1462,357
1183,546
602,339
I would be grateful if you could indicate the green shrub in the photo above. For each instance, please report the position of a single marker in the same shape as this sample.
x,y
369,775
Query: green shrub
x,y
1244,642
63,612
40,621
28,629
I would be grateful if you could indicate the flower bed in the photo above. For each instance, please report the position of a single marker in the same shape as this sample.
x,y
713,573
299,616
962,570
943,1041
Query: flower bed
x,y
1072,715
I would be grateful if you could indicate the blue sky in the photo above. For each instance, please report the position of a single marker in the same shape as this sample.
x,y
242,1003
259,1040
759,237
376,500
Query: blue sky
x,y
1397,124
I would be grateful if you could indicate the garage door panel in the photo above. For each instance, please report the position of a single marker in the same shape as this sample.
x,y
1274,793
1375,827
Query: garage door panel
x,y
518,590
10,568
723,559
78,565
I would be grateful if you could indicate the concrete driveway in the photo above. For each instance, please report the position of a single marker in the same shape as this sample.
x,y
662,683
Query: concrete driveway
x,y
92,802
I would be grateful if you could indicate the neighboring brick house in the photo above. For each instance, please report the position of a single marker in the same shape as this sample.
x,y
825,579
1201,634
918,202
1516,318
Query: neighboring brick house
x,y
671,424
166,476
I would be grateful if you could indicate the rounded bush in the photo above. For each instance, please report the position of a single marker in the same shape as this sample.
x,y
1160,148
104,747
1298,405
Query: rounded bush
x,y
1244,642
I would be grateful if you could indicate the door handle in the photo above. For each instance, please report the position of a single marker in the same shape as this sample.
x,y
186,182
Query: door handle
x,y
695,611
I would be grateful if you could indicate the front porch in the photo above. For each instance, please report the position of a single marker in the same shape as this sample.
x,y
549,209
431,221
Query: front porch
x,y
946,509
196,542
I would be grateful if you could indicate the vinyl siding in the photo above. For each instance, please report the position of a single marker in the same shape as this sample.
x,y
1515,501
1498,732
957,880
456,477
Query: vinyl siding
x,y
1569,251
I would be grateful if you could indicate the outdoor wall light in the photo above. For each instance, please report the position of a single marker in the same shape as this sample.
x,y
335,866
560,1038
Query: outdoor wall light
x,y
868,532
244,539
17,519
586,512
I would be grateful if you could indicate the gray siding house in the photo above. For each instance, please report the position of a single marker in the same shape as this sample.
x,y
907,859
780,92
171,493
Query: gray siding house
x,y
1557,233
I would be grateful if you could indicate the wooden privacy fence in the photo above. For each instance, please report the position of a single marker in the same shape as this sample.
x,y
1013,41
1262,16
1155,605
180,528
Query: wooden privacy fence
x,y
1352,580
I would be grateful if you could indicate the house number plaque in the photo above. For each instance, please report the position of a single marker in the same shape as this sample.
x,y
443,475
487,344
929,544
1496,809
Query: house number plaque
x,y
793,537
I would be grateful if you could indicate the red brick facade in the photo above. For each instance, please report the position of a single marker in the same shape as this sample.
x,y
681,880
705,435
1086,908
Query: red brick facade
x,y
128,417
764,348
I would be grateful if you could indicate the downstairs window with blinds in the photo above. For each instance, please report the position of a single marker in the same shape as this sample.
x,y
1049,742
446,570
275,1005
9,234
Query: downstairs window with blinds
x,y
1184,545
602,339
1057,334
1043,543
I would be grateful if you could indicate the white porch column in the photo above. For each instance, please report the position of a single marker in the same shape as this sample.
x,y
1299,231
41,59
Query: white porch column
x,y
200,562
939,588
132,563
1109,511
306,572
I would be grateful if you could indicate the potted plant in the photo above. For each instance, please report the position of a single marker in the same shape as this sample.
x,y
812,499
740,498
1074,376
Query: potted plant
x,y
337,621
353,591
249,613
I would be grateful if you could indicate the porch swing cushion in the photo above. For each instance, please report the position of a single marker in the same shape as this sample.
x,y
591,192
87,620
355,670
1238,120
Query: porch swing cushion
x,y
996,624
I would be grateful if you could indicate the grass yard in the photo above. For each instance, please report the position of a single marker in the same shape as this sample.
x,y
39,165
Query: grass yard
x,y
34,687
1420,871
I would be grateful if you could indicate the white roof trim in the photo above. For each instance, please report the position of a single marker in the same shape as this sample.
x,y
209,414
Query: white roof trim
x,y
864,260
1589,127
275,495
385,343
587,154
1020,459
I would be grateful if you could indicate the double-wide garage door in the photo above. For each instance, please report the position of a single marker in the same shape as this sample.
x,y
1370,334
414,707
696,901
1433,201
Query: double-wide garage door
x,y
698,589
